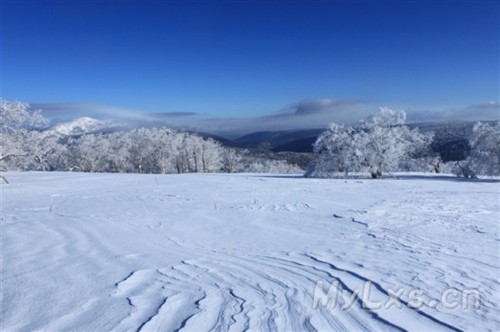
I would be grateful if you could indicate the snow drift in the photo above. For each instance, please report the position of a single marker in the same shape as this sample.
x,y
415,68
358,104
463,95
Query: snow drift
x,y
236,252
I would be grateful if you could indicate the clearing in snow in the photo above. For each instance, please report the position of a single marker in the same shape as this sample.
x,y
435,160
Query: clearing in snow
x,y
128,252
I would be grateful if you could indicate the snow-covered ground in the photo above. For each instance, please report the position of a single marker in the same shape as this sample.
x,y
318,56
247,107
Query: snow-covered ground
x,y
96,252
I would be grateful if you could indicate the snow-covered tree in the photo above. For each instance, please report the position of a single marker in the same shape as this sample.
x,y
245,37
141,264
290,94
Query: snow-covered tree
x,y
382,143
17,115
386,141
141,149
90,153
119,158
162,155
336,152
231,160
484,157
17,120
192,153
211,154
45,152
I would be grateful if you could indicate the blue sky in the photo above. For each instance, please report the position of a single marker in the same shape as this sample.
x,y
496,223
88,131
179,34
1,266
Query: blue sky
x,y
253,59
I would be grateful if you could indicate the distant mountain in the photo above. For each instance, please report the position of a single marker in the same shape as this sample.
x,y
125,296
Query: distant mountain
x,y
80,126
277,141
299,145
258,137
224,141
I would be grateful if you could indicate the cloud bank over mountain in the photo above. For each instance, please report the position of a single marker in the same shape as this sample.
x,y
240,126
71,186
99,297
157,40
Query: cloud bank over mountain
x,y
303,114
486,111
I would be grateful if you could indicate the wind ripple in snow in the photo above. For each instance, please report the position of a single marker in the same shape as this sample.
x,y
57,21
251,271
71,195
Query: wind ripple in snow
x,y
149,255
257,293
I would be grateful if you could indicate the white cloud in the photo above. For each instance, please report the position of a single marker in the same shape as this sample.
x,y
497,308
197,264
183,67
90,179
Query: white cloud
x,y
320,105
74,110
303,114
487,111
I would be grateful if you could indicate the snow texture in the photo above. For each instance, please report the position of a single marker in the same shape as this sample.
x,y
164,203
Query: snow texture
x,y
128,252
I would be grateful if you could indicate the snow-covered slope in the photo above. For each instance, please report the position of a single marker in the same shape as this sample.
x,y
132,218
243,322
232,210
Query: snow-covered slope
x,y
78,126
98,252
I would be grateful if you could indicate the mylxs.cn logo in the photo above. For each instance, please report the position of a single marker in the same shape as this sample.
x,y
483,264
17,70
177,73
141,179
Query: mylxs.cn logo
x,y
372,298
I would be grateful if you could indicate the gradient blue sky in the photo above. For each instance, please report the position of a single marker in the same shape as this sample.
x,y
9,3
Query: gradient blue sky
x,y
230,59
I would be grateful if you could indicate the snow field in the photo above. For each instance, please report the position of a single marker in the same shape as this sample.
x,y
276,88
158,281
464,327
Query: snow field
x,y
241,252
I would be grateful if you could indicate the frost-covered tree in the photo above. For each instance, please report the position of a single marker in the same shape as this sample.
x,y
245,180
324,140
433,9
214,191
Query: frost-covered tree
x,y
90,153
336,152
119,160
386,141
231,160
211,154
45,152
141,149
162,154
484,157
382,143
179,154
192,153
17,120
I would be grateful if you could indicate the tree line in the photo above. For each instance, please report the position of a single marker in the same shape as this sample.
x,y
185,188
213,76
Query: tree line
x,y
26,146
379,144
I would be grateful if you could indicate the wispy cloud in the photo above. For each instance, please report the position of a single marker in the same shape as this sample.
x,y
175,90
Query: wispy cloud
x,y
72,110
303,114
320,105
487,111
490,105
173,114
309,111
